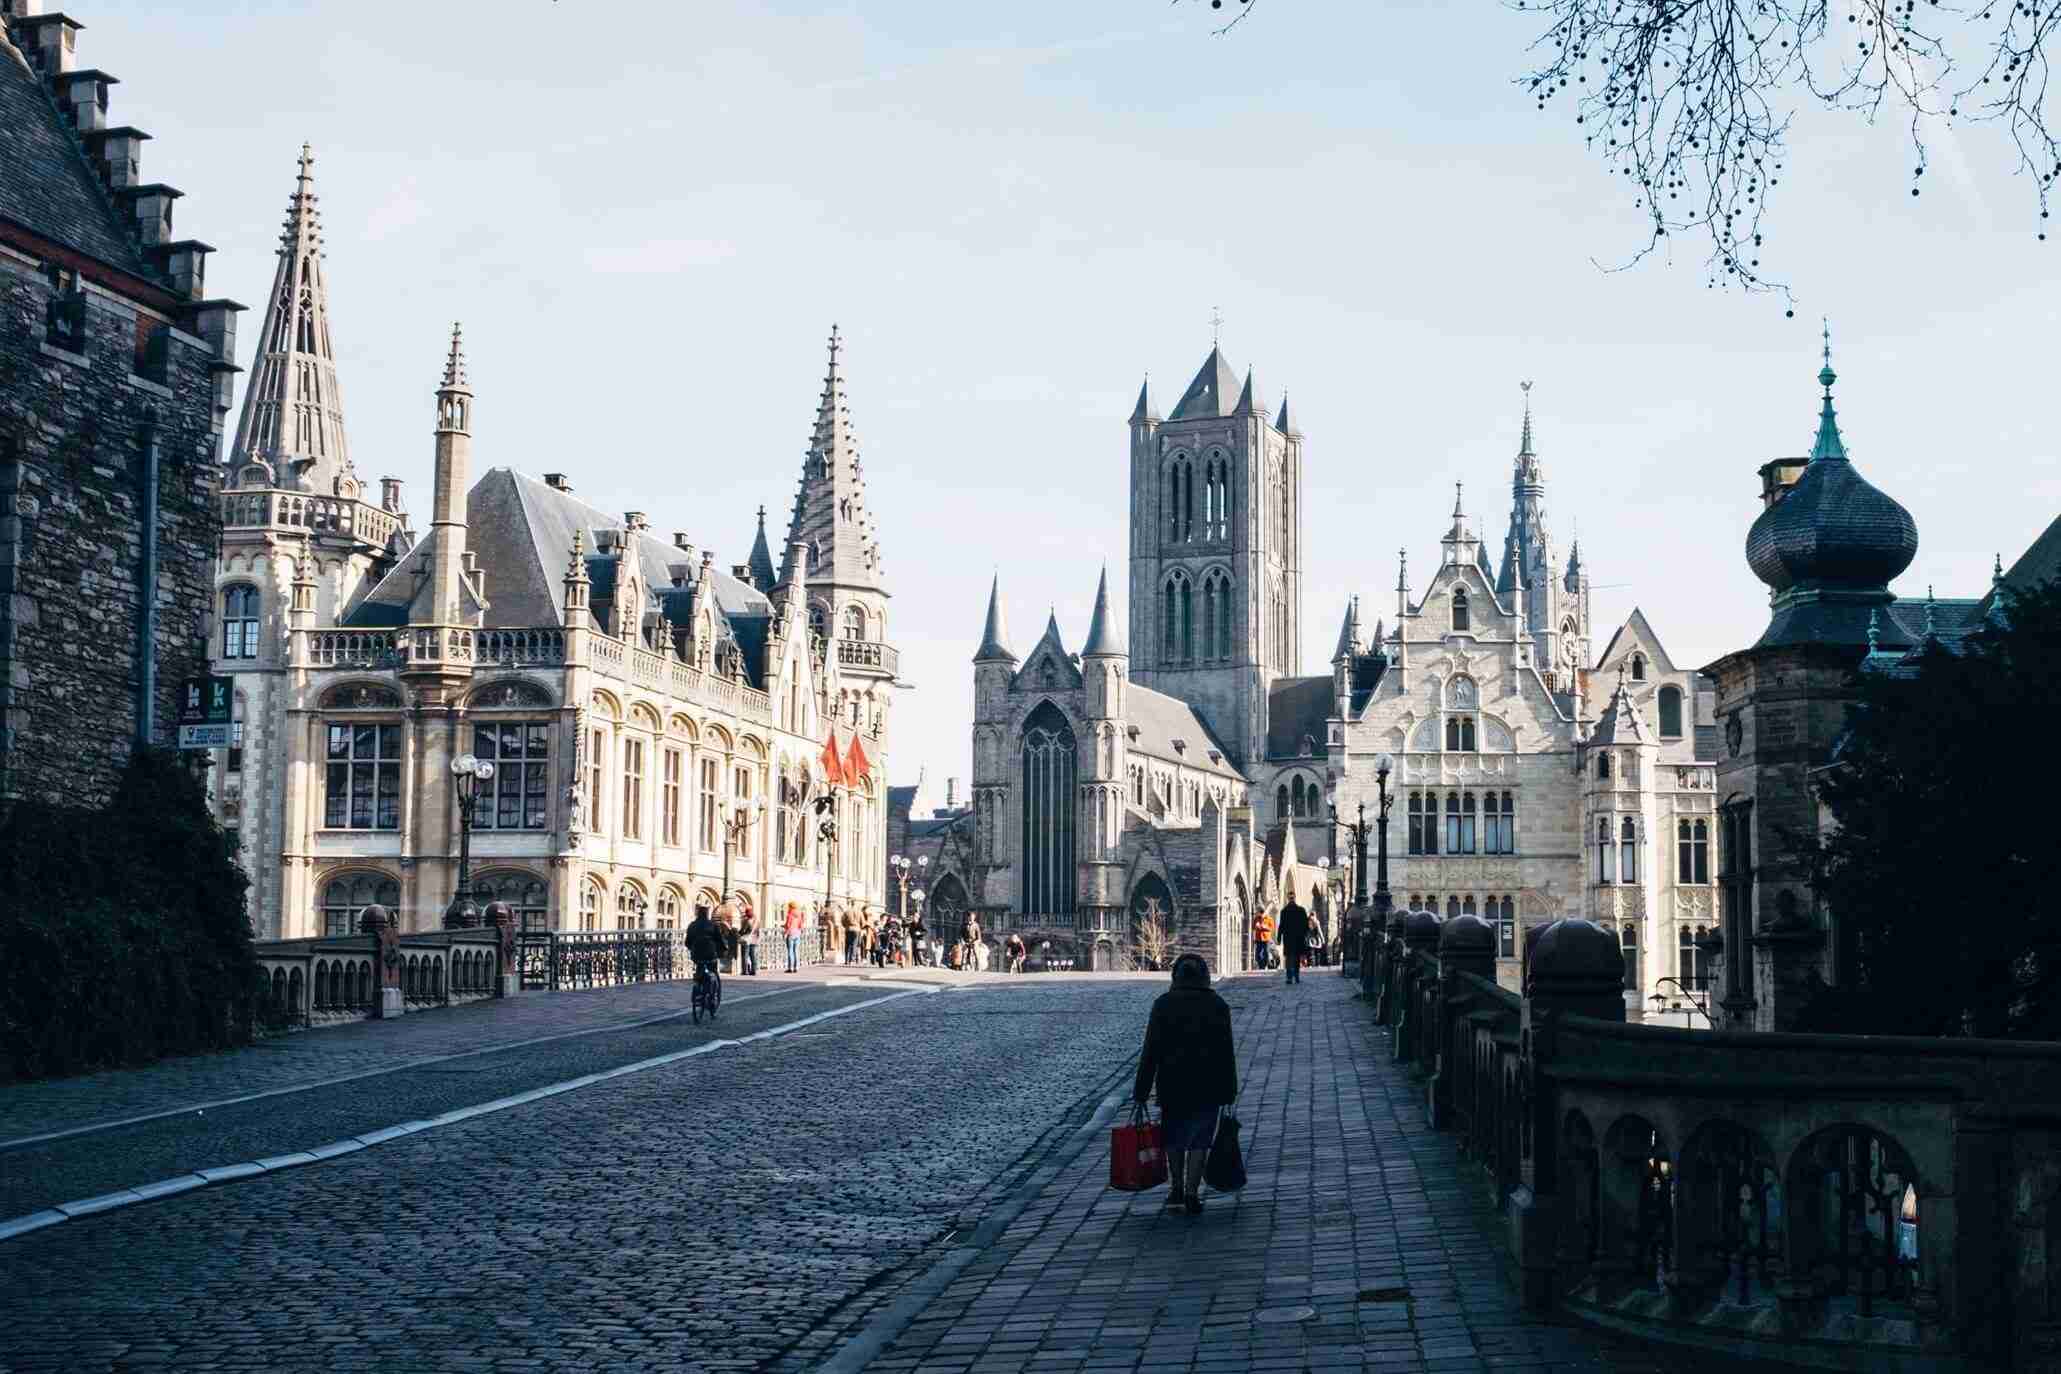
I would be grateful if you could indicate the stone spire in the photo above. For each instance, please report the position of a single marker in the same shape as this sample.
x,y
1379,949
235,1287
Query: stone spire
x,y
292,411
762,557
1145,412
1102,638
994,638
1348,633
450,478
1249,402
1286,422
830,504
1527,548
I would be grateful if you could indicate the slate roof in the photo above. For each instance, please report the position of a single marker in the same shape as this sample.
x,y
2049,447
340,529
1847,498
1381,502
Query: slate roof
x,y
1213,393
521,531
1297,706
930,827
46,184
2039,563
1160,720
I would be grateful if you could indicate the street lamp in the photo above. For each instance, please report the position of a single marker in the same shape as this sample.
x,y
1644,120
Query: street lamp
x,y
467,774
736,823
1383,903
903,865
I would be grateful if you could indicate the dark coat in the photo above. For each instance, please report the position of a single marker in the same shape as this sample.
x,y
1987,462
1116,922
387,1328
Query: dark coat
x,y
1188,1053
1295,927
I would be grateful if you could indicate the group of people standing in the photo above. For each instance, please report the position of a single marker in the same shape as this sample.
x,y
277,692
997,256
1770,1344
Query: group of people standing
x,y
1273,939
885,939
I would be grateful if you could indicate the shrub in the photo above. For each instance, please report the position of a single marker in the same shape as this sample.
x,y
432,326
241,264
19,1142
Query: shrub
x,y
122,929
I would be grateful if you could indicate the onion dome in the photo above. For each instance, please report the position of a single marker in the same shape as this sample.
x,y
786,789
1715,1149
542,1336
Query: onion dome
x,y
1834,531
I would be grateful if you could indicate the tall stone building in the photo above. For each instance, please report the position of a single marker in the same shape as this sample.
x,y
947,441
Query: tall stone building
x,y
115,376
659,727
1195,772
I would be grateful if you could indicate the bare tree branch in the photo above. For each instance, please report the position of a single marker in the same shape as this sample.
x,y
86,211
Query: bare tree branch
x,y
1691,100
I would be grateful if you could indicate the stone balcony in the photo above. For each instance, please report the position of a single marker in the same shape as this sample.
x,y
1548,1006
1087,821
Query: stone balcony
x,y
869,657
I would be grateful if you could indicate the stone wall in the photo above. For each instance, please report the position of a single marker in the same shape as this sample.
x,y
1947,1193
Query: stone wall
x,y
72,442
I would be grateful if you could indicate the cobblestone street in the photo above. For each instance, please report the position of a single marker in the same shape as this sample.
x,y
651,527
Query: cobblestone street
x,y
915,1185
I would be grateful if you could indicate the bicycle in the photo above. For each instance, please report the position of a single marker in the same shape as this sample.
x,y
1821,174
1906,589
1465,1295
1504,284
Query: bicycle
x,y
708,993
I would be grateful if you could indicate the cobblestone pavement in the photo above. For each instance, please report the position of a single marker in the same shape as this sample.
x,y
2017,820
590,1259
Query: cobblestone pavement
x,y
745,1209
1359,1225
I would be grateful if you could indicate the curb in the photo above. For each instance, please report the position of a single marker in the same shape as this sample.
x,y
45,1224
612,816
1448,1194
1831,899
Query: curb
x,y
200,1178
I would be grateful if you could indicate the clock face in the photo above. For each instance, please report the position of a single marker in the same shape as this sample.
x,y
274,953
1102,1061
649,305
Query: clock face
x,y
1734,733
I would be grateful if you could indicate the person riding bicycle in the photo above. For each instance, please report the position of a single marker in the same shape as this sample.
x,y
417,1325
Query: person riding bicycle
x,y
704,944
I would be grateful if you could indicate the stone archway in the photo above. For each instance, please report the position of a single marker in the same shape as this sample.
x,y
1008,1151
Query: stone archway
x,y
1240,959
1152,924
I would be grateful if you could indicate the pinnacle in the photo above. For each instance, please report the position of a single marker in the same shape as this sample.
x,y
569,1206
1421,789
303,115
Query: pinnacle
x,y
454,366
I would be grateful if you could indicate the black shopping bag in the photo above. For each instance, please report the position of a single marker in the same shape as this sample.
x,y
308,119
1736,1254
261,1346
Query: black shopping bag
x,y
1224,1171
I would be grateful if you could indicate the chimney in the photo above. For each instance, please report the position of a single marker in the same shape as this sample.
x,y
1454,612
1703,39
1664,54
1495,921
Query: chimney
x,y
634,521
557,481
118,153
951,793
82,95
742,572
680,572
390,495
48,40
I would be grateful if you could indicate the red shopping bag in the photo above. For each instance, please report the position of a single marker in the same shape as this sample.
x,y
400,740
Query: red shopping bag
x,y
1137,1157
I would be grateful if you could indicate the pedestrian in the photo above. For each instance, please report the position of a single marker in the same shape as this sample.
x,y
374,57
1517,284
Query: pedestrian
x,y
1262,935
891,939
1012,951
919,938
851,937
794,934
1189,1062
748,943
1295,938
974,947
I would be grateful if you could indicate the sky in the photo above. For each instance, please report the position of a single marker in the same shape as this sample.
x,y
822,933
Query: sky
x,y
648,215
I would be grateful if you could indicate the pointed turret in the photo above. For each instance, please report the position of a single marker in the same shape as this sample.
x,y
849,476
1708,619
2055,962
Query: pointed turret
x,y
1828,444
1573,582
1102,636
994,638
1285,422
830,504
1145,413
762,557
1461,546
1348,633
292,421
1249,402
450,478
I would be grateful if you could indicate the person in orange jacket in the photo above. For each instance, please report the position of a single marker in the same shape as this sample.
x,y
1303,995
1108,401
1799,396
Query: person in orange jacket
x,y
1262,936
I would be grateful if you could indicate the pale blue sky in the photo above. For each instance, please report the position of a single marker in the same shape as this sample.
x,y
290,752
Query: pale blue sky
x,y
647,215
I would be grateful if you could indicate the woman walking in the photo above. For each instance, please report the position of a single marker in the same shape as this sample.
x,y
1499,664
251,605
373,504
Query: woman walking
x,y
1188,1058
793,932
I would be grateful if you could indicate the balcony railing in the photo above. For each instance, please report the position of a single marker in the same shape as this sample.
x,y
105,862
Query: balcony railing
x,y
869,656
317,514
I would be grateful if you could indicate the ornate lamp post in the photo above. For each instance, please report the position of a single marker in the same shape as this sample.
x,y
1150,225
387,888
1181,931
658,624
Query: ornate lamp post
x,y
826,831
903,865
467,773
1383,903
736,823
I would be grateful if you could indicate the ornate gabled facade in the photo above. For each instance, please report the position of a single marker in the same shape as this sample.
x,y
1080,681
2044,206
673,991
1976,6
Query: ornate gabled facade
x,y
115,377
633,697
1232,761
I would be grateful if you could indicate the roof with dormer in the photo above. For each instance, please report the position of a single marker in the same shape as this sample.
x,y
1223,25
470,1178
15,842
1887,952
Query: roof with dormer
x,y
1160,720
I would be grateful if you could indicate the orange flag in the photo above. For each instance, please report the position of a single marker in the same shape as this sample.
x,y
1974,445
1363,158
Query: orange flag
x,y
833,771
856,764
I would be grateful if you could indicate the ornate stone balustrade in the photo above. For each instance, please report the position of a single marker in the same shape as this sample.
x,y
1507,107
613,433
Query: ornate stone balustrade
x,y
520,648
1848,1201
290,511
869,656
356,648
332,979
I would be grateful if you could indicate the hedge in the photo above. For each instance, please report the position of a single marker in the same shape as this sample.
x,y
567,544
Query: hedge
x,y
123,936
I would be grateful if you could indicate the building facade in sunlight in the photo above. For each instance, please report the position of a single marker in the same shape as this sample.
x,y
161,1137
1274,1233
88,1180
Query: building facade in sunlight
x,y
1193,770
662,730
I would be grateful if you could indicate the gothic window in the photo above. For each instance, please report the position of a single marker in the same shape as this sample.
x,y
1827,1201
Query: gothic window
x,y
516,797
1460,736
1692,962
1467,906
1452,907
1423,823
854,623
819,625
1216,516
1634,972
1670,713
590,906
1460,621
1216,615
363,777
1286,507
525,894
1499,823
1048,819
345,897
1628,852
1693,852
1180,501
668,917
1180,619
632,813
1296,802
669,797
710,770
630,907
1604,866
1281,801
1638,667
240,606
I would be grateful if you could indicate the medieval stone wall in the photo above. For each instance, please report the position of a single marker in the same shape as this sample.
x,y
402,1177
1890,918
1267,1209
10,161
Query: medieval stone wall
x,y
72,437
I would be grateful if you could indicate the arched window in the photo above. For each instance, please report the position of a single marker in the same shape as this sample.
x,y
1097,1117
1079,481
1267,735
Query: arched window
x,y
1296,799
1692,963
1460,618
1670,713
630,907
1638,667
1049,763
1180,501
240,611
1604,867
819,626
1179,596
1452,907
1281,801
1692,856
345,897
525,894
854,622
1216,615
668,917
1634,969
1628,852
1467,906
590,906
1460,734
1216,518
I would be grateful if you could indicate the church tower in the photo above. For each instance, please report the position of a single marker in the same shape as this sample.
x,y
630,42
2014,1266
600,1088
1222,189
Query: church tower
x,y
1216,551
